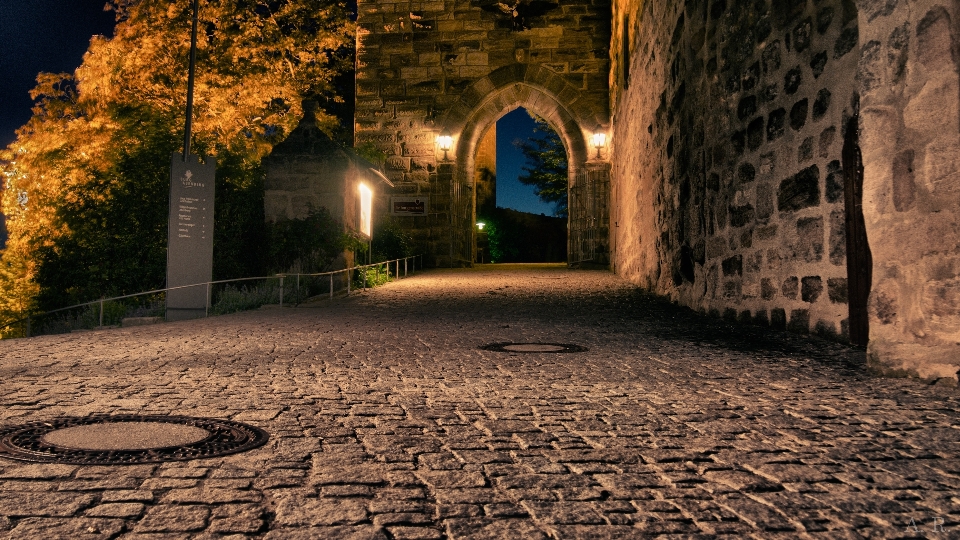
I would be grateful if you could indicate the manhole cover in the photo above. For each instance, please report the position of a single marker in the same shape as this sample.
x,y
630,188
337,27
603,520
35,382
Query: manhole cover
x,y
534,347
127,439
125,436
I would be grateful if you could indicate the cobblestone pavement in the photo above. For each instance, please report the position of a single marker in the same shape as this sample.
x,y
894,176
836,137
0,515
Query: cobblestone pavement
x,y
388,421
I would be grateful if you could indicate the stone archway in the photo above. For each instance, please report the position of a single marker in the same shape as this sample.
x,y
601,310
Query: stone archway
x,y
423,69
509,97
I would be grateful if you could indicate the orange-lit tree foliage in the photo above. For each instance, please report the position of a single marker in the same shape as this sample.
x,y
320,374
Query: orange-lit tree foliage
x,y
86,180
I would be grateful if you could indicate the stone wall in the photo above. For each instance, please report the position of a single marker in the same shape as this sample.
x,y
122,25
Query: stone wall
x,y
908,81
307,171
485,177
728,125
458,65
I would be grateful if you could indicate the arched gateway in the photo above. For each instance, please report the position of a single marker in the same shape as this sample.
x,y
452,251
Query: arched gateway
x,y
454,68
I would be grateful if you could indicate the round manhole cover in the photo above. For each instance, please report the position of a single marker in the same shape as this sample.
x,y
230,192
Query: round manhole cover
x,y
125,436
127,439
534,347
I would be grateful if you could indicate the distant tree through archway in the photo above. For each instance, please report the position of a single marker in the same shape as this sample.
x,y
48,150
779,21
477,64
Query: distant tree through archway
x,y
520,191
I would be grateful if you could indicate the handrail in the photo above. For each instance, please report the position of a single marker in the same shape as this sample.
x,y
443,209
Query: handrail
x,y
281,276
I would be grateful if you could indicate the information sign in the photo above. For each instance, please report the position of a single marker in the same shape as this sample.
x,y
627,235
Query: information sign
x,y
189,235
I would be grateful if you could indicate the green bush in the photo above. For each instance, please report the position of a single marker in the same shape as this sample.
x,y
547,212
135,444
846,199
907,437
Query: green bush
x,y
375,275
233,299
390,241
311,244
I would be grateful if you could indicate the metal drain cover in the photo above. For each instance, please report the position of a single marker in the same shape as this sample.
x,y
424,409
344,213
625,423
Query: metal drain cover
x,y
533,347
127,439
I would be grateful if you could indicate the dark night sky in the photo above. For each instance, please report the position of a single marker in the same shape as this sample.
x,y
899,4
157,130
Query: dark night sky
x,y
41,35
510,192
52,35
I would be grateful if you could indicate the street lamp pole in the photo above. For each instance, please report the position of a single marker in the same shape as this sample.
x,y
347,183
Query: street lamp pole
x,y
190,76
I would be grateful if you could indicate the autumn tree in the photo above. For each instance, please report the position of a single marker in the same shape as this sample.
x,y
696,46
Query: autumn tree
x,y
86,181
546,167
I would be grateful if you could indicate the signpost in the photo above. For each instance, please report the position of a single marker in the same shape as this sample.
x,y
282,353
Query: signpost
x,y
189,236
190,222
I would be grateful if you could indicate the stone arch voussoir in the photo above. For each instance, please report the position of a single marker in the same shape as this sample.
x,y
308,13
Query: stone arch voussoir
x,y
535,88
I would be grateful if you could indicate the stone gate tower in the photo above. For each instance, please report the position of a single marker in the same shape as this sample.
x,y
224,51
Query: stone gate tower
x,y
454,67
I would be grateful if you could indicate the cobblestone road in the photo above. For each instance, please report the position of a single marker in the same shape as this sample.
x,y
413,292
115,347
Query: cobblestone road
x,y
388,421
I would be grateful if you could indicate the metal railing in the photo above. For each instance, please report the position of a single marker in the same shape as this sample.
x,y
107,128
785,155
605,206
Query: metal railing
x,y
302,283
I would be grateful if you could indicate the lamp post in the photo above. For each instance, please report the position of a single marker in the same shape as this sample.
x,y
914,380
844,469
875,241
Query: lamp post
x,y
482,244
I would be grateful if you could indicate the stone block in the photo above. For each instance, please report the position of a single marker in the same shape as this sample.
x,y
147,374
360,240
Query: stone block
x,y
871,70
746,173
755,133
790,287
805,152
846,42
799,321
837,290
821,105
775,124
769,93
801,35
827,136
764,197
898,52
818,63
733,266
774,259
173,519
825,329
766,232
808,244
741,215
801,190
838,238
792,80
716,247
798,114
778,318
276,205
747,107
810,288
767,289
834,182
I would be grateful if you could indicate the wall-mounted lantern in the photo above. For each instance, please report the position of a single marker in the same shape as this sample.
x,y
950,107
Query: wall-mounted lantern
x,y
599,139
481,225
445,143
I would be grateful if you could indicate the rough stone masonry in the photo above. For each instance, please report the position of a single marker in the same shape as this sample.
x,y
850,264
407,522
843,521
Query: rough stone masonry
x,y
741,131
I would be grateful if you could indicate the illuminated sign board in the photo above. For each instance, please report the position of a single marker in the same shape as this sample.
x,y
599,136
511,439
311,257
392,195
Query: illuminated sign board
x,y
366,210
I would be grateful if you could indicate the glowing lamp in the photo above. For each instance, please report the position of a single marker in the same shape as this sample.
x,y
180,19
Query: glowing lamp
x,y
481,225
366,209
445,143
599,139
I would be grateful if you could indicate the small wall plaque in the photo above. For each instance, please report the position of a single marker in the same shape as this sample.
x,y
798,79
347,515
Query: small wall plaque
x,y
409,206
